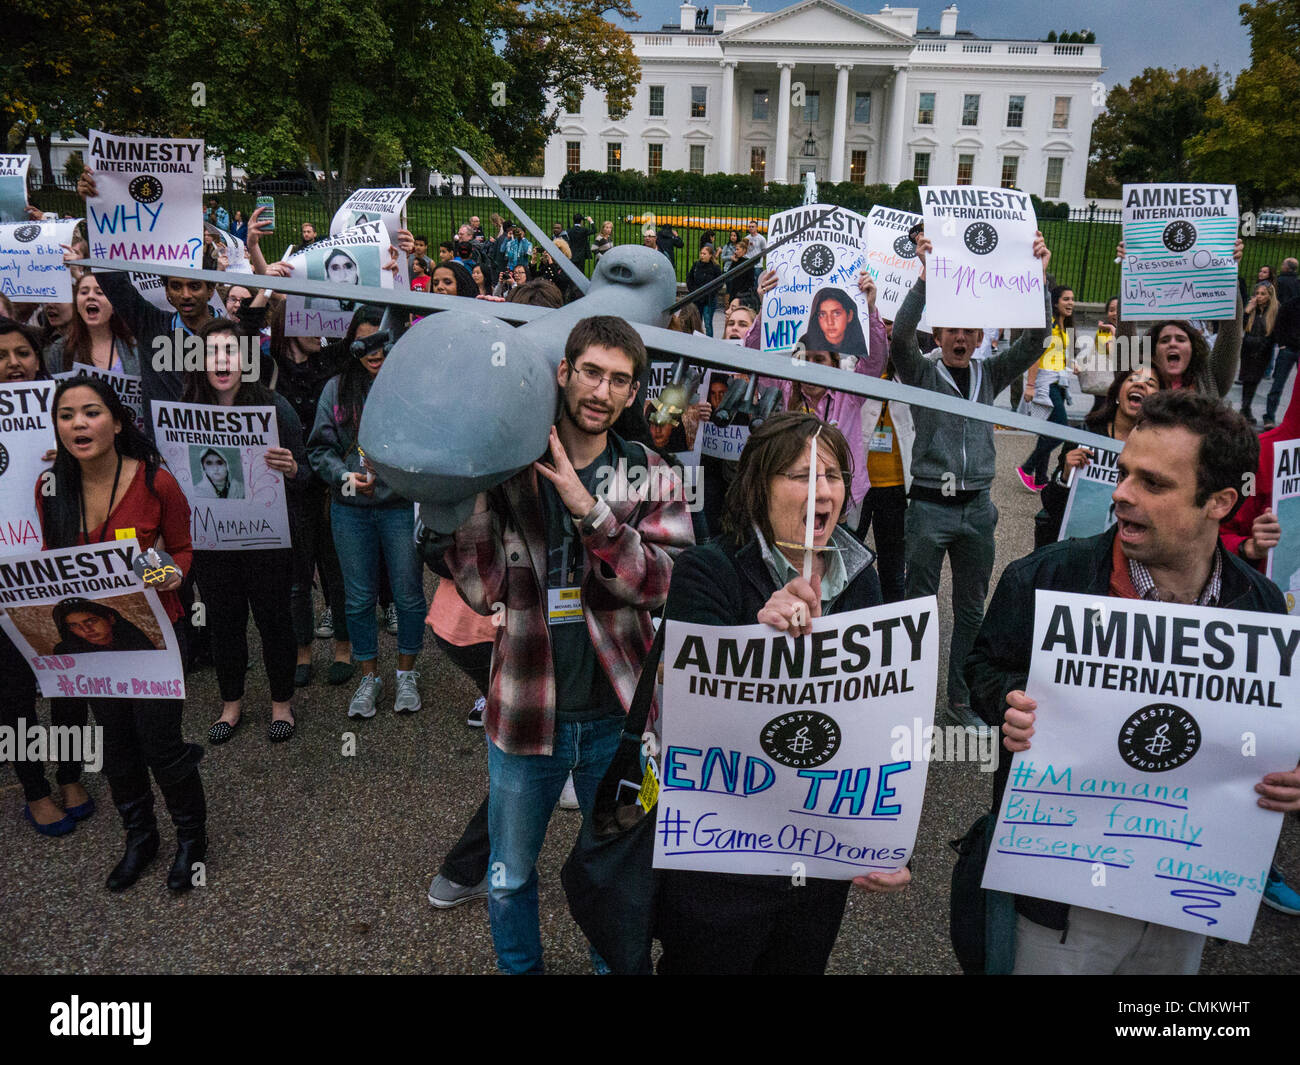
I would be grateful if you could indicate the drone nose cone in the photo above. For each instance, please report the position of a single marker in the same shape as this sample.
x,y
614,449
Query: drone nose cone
x,y
462,402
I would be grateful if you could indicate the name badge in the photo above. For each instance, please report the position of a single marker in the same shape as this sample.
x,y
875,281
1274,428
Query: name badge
x,y
649,793
563,605
882,440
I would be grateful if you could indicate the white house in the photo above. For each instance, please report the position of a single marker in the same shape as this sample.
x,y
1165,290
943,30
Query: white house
x,y
855,97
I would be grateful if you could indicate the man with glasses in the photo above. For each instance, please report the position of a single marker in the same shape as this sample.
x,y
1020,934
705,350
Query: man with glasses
x,y
580,559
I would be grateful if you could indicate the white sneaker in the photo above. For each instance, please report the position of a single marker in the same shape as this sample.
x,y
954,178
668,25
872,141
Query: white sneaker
x,y
569,796
363,702
475,719
407,700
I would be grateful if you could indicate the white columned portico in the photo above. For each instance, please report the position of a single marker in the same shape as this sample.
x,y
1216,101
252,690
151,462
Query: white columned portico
x,y
727,126
780,168
841,120
894,130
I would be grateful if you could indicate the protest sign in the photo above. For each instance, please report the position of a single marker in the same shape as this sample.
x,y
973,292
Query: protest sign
x,y
26,434
126,385
13,187
153,287
891,259
218,456
717,441
982,266
31,261
357,257
1155,721
236,251
816,304
1088,509
1178,242
376,205
87,624
781,755
148,205
675,439
1284,560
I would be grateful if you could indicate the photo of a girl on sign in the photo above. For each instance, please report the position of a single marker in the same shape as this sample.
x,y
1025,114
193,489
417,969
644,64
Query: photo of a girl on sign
x,y
341,267
86,626
212,477
834,324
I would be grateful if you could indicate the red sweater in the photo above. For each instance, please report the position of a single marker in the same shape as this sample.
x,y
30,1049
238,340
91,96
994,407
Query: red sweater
x,y
1238,528
160,517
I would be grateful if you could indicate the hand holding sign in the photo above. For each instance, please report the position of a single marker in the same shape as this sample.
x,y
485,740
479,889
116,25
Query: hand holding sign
x,y
792,608
1018,722
1265,534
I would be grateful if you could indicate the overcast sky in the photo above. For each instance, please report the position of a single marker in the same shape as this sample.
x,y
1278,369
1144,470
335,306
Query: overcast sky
x,y
1133,34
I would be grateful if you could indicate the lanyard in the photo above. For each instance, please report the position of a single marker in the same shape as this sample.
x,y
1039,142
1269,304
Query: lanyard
x,y
85,532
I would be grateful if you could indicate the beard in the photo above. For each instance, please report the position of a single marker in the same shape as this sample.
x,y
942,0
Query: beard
x,y
573,412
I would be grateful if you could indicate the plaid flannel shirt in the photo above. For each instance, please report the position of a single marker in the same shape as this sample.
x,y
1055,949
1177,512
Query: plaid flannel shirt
x,y
500,556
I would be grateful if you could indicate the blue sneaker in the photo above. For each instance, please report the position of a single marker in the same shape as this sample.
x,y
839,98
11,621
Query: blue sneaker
x,y
1278,895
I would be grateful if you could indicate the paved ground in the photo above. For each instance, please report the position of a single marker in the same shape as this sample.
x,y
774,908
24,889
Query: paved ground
x,y
320,862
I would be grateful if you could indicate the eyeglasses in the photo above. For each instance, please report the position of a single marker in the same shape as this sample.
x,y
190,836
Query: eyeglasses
x,y
831,477
619,383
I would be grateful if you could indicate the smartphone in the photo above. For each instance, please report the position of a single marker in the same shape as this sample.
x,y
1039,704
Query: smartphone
x,y
269,214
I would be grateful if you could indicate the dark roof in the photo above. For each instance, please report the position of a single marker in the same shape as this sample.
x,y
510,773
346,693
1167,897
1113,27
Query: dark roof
x,y
675,27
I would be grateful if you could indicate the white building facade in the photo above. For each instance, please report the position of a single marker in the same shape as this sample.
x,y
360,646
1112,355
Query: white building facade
x,y
854,97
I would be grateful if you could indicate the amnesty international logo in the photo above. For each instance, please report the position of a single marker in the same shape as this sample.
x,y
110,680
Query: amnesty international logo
x,y
1179,236
26,234
145,189
4,459
818,260
1159,737
904,248
980,238
801,739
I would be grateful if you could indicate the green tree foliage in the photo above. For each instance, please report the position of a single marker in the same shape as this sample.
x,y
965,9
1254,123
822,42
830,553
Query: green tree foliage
x,y
1251,138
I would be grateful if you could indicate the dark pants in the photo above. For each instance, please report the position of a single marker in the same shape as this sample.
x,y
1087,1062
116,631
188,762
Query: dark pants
x,y
716,924
1036,464
313,552
18,703
885,509
467,862
143,736
1282,367
232,583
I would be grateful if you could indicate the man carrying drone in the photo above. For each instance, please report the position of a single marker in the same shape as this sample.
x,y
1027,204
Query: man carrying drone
x,y
580,576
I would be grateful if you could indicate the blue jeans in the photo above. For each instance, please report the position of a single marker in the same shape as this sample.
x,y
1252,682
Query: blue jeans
x,y
1282,367
522,793
360,534
1038,459
706,312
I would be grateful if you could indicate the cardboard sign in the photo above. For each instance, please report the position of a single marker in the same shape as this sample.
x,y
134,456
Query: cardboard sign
x,y
891,259
376,205
1284,560
31,261
13,187
357,257
26,434
126,385
1089,510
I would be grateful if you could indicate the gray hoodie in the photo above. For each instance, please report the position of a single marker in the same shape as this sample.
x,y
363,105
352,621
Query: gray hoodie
x,y
944,444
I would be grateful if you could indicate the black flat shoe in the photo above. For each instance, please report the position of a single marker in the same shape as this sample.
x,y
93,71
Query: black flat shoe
x,y
281,731
221,732
302,675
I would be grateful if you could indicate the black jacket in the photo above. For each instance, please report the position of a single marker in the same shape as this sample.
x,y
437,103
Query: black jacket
x,y
1288,287
701,274
999,662
579,236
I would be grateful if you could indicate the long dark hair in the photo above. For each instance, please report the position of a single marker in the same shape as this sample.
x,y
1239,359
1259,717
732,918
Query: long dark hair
x,y
78,346
1068,321
198,389
62,508
355,379
855,340
1099,420
1200,358
464,279
127,636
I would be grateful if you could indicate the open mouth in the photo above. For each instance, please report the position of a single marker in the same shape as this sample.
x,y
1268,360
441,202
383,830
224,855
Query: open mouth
x,y
1131,532
82,440
821,522
15,373
93,311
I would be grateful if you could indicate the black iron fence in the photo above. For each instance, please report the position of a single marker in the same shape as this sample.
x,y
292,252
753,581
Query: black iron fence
x,y
1083,244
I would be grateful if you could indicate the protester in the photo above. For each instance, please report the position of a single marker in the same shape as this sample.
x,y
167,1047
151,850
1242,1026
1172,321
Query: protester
x,y
308,235
740,280
727,254
446,252
369,521
1257,344
757,243
233,296
239,226
557,704
452,279
216,215
480,281
96,336
579,240
1288,281
106,478
233,583
716,923
549,269
517,248
604,240
420,279
1047,387
699,275
1181,474
20,360
1286,330
953,465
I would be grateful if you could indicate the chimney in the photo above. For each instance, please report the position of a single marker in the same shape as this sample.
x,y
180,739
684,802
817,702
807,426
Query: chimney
x,y
948,21
688,18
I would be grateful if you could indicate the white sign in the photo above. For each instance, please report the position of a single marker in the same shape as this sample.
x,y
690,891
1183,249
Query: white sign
x,y
376,205
717,441
88,626
149,202
1178,242
26,434
781,756
358,257
1284,560
13,187
1089,510
675,439
891,259
218,456
126,385
816,305
981,267
1154,724
31,261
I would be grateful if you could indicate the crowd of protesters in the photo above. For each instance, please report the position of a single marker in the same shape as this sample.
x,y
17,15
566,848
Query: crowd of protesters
x,y
554,692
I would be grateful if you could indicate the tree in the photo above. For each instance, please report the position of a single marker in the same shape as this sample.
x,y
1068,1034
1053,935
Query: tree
x,y
1141,135
1250,141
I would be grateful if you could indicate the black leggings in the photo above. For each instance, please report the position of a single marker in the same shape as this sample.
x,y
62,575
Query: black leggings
x,y
467,861
18,703
884,509
313,552
143,736
232,582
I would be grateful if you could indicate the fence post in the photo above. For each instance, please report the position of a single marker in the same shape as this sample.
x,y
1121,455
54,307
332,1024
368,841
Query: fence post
x,y
1087,241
